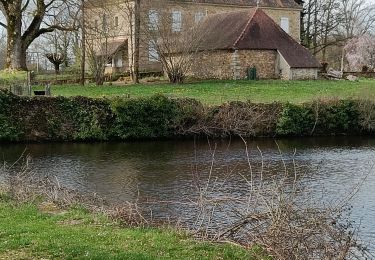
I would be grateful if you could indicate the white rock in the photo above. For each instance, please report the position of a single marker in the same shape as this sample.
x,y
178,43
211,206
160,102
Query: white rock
x,y
352,78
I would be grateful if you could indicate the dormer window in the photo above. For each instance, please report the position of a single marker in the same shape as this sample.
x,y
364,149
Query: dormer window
x,y
284,24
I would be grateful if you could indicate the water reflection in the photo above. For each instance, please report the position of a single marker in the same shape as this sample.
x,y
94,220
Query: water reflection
x,y
172,170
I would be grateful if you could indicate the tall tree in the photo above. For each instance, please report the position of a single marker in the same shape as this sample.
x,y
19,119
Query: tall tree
x,y
20,33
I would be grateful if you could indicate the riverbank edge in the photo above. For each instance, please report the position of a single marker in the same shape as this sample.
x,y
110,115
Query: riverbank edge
x,y
43,230
81,119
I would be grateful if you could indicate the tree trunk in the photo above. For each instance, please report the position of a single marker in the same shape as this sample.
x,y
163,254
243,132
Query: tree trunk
x,y
137,25
16,53
57,68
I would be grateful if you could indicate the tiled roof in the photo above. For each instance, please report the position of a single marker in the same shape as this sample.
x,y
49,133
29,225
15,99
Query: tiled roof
x,y
253,3
253,30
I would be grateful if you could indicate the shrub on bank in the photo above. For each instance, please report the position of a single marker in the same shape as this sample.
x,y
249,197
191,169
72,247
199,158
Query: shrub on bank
x,y
319,118
152,117
9,129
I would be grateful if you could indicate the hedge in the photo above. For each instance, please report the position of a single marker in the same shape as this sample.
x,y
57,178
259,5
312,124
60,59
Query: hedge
x,y
87,119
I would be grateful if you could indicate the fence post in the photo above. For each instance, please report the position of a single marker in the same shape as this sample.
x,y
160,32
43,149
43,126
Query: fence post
x,y
48,89
29,78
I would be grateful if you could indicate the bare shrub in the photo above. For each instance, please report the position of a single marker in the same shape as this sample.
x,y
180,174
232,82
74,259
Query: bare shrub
x,y
233,119
278,213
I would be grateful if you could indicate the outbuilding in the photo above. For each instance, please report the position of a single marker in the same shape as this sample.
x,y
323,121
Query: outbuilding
x,y
234,42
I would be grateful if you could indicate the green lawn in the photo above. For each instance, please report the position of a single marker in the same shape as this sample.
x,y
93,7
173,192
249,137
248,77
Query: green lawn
x,y
217,92
16,77
27,232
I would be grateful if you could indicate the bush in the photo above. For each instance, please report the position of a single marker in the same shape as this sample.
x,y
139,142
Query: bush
x,y
295,120
145,117
88,119
9,128
319,118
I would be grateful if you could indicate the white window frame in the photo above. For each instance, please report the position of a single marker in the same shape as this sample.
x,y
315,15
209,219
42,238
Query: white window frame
x,y
153,19
284,24
176,21
199,16
153,54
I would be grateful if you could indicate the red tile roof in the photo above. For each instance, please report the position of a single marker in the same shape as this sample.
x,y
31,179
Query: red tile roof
x,y
253,3
253,30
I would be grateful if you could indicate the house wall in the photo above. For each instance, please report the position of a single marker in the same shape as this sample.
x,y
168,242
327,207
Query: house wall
x,y
225,64
283,67
288,73
125,26
190,9
304,73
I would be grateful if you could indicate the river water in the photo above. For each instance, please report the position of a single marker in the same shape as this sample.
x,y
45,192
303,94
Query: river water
x,y
172,172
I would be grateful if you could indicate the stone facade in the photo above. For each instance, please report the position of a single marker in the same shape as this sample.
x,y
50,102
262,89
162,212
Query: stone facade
x,y
223,64
304,74
121,26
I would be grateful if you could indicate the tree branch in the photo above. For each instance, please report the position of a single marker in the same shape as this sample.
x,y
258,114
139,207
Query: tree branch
x,y
25,6
3,25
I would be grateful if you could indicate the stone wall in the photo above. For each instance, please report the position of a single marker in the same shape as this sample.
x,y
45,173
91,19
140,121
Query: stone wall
x,y
263,60
226,64
304,73
283,67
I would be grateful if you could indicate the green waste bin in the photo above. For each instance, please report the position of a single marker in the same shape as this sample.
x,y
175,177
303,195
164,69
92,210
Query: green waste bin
x,y
252,73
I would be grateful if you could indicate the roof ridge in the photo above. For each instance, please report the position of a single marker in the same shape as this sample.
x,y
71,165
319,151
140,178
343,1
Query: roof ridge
x,y
246,26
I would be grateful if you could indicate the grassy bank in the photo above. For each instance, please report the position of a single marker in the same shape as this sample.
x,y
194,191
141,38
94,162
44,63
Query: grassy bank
x,y
31,232
218,92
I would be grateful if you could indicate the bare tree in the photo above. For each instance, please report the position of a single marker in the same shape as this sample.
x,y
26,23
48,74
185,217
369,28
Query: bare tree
x,y
330,24
166,34
21,33
101,37
56,59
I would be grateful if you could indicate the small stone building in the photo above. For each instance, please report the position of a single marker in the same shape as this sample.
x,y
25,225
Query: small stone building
x,y
236,41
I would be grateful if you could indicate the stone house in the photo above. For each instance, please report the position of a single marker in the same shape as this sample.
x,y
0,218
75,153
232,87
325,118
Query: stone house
x,y
116,19
237,41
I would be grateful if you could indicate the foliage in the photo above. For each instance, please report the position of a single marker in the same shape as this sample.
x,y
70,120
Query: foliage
x,y
12,77
89,119
319,118
9,130
295,120
85,119
145,117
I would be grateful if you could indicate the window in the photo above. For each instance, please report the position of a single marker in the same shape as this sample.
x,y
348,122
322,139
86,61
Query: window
x,y
284,24
176,21
96,23
116,21
199,16
153,54
153,19
104,25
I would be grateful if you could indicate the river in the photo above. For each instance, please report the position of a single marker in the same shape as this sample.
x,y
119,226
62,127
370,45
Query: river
x,y
172,172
